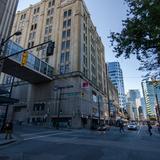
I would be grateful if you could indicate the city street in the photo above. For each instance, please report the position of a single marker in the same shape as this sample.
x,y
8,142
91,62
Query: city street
x,y
46,144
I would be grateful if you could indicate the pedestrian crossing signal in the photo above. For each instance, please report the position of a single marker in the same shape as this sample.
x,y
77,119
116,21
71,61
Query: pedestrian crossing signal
x,y
24,58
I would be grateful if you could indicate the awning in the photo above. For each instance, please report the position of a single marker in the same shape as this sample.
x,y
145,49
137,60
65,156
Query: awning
x,y
7,100
2,91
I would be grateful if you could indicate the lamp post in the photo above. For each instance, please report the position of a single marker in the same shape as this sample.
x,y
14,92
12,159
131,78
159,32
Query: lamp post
x,y
2,44
18,33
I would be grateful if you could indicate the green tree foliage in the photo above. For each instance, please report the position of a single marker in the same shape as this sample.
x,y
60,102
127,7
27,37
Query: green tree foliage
x,y
140,34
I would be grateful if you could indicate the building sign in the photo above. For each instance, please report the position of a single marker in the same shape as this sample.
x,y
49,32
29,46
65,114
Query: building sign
x,y
85,84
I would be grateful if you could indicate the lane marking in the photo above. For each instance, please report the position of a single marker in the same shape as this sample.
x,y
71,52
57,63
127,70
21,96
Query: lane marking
x,y
138,133
36,133
47,135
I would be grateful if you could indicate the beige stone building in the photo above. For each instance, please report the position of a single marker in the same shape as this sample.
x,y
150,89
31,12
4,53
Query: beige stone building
x,y
78,61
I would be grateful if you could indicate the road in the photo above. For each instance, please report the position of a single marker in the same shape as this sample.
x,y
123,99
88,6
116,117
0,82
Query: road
x,y
47,144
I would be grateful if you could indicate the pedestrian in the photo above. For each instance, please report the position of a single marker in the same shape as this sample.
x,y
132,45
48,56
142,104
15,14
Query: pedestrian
x,y
8,130
121,126
149,128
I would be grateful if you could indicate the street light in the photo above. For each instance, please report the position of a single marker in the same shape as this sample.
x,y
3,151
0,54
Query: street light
x,y
18,33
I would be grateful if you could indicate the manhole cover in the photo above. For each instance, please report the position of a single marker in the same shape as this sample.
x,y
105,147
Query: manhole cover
x,y
4,158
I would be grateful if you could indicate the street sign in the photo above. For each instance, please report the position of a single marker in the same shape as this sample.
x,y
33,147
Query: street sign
x,y
72,93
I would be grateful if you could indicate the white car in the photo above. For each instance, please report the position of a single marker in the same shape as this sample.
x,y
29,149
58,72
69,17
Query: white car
x,y
132,126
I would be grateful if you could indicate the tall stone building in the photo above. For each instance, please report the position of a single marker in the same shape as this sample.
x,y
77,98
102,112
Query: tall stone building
x,y
78,61
7,13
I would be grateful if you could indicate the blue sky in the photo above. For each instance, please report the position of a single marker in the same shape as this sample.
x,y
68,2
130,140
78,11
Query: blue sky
x,y
107,16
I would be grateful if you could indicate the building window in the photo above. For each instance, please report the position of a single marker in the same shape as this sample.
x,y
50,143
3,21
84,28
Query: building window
x,y
52,11
64,24
35,26
32,27
62,58
50,29
68,44
63,45
47,21
32,44
68,33
64,34
34,11
69,13
69,23
67,56
51,20
65,14
48,13
62,70
29,45
67,68
53,2
38,10
49,4
46,30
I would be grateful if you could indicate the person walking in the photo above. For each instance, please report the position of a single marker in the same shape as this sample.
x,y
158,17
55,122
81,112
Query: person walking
x,y
121,126
149,128
8,130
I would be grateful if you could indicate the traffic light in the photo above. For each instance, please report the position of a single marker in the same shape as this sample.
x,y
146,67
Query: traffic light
x,y
50,48
24,58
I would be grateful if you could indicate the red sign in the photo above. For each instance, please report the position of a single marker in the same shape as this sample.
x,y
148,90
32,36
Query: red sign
x,y
85,84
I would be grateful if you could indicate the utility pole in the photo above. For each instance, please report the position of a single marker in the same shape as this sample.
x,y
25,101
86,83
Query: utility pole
x,y
59,107
99,111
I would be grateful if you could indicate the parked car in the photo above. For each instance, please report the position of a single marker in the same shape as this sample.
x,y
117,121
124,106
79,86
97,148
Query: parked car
x,y
132,126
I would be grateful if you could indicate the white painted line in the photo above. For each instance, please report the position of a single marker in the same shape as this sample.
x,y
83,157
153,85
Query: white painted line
x,y
138,133
36,133
47,135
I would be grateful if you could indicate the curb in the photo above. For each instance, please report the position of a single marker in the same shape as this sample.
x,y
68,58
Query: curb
x,y
9,142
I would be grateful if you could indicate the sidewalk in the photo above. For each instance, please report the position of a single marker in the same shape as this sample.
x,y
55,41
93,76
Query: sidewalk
x,y
5,142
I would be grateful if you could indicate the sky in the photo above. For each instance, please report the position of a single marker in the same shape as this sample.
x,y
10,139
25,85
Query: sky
x,y
107,16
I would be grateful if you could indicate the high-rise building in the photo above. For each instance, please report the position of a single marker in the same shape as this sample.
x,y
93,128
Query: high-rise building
x,y
116,76
78,61
7,14
143,107
134,98
149,91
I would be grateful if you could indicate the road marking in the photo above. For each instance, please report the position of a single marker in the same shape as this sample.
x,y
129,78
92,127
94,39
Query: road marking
x,y
36,133
138,133
47,135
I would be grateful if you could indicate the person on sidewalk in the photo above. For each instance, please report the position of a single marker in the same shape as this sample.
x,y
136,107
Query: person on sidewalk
x,y
121,126
149,128
8,130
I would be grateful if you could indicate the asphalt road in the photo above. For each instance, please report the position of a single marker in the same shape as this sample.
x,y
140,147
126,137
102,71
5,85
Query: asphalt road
x,y
46,144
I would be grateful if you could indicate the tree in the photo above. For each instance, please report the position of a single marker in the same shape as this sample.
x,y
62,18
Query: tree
x,y
140,35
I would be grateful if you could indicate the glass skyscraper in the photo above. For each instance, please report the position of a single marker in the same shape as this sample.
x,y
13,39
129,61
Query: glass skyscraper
x,y
116,76
149,92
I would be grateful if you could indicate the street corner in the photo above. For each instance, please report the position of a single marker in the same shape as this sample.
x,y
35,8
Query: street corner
x,y
3,141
